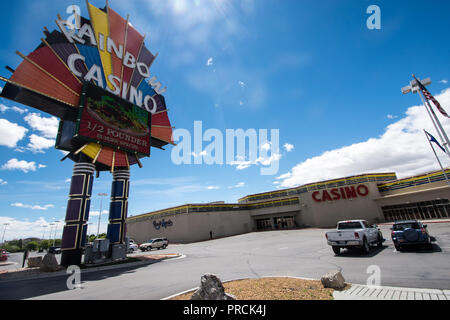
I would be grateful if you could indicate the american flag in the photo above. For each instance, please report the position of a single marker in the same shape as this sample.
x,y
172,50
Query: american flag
x,y
429,96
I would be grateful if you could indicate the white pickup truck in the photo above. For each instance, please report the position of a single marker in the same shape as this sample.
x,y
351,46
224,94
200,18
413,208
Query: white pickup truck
x,y
354,234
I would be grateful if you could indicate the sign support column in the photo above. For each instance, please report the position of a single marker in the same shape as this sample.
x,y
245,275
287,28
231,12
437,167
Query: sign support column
x,y
77,214
118,208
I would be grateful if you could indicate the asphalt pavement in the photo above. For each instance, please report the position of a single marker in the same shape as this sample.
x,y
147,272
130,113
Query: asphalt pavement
x,y
297,253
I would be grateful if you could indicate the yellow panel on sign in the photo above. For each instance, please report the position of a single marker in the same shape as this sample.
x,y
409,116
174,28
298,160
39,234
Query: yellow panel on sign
x,y
99,20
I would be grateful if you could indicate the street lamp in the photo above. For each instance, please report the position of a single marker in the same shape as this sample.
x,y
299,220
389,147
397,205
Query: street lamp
x,y
101,195
4,230
50,233
43,235
56,229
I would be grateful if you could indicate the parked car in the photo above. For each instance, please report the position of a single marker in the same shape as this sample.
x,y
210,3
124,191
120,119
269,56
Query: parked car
x,y
3,255
132,246
410,232
354,234
158,243
55,250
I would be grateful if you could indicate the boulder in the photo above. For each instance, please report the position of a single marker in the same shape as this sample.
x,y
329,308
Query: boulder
x,y
333,279
211,288
49,263
34,262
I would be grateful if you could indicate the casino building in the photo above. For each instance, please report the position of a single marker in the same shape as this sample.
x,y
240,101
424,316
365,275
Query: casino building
x,y
376,197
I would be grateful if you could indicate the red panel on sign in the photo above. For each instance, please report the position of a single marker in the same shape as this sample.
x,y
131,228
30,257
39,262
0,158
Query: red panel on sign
x,y
47,60
134,43
117,30
32,77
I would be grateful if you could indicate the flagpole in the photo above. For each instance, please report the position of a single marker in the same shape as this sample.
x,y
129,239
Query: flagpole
x,y
437,158
427,107
442,134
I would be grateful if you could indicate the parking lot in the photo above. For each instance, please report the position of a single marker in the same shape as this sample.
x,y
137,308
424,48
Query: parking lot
x,y
298,253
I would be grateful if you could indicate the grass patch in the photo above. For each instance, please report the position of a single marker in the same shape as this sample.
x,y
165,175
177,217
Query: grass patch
x,y
274,289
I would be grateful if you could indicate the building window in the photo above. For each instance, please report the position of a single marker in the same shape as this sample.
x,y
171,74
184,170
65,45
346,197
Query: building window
x,y
433,209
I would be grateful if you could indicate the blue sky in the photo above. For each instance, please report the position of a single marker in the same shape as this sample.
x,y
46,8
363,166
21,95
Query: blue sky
x,y
311,69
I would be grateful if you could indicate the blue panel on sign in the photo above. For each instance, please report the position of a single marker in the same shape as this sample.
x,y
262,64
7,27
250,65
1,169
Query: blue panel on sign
x,y
69,238
113,232
77,184
117,189
87,209
73,210
83,236
115,210
89,190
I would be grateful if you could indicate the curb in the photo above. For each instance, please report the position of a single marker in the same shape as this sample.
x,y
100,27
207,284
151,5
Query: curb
x,y
89,270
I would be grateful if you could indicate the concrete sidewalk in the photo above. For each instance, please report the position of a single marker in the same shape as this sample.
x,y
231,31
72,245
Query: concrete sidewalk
x,y
364,292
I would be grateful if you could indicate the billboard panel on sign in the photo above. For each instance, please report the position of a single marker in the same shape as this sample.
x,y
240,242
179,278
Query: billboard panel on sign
x,y
110,120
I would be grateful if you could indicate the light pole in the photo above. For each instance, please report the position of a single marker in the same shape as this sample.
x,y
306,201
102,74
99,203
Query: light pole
x,y
101,195
4,230
50,233
56,230
43,234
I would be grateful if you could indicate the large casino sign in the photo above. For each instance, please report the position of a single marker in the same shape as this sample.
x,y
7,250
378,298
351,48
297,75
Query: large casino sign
x,y
95,76
334,194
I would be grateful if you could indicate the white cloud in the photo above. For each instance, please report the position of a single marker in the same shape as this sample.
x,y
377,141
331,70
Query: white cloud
x,y
238,185
444,81
11,133
96,213
213,188
47,126
288,147
402,148
32,207
264,161
18,229
390,116
241,84
38,144
203,153
19,110
3,182
22,165
209,62
3,108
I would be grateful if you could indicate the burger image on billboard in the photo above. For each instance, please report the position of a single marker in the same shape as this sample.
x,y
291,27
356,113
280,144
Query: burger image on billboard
x,y
112,121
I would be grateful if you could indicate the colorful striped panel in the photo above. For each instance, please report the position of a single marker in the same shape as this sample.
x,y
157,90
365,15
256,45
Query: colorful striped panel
x,y
147,58
117,30
32,77
133,46
99,20
161,119
164,134
45,58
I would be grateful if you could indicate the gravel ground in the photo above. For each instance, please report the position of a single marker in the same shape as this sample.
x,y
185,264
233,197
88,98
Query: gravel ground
x,y
274,289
